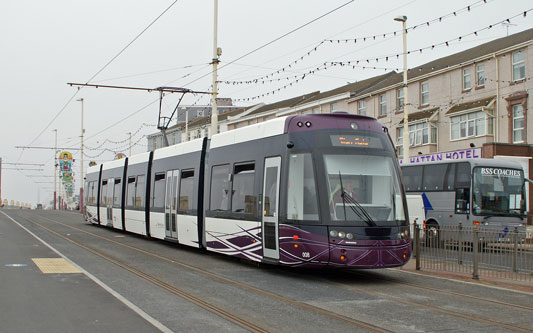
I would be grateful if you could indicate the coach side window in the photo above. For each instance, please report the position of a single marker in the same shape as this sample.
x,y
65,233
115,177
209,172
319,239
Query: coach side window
x,y
434,177
159,191
131,192
412,178
140,192
219,199
449,178
243,198
186,192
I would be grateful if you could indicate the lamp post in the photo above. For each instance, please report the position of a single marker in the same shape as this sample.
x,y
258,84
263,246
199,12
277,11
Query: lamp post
x,y
403,19
81,163
217,52
55,172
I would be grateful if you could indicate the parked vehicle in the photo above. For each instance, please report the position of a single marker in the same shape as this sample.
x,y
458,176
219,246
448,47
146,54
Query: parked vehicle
x,y
484,192
417,214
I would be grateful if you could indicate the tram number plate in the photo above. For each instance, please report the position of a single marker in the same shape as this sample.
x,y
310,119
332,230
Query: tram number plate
x,y
305,255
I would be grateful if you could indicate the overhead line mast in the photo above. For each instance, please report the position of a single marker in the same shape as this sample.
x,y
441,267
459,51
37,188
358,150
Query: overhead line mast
x,y
163,122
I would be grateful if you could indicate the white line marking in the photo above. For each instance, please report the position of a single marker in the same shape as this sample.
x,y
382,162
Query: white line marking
x,y
121,298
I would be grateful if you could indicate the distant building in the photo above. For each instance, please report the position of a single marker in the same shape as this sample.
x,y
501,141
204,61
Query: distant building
x,y
175,133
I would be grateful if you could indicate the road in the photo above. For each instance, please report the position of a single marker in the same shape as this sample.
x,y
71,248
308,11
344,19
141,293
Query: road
x,y
169,287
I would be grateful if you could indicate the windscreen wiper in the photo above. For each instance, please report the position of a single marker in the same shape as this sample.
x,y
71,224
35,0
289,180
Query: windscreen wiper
x,y
360,211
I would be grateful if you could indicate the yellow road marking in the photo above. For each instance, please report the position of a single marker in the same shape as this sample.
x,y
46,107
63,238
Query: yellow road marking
x,y
55,266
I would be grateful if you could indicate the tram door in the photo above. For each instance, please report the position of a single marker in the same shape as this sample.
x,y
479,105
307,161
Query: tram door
x,y
171,204
271,207
109,200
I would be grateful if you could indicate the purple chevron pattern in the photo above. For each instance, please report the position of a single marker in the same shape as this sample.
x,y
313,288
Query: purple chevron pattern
x,y
245,243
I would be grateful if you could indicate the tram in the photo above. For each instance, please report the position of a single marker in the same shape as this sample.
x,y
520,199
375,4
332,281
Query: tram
x,y
317,190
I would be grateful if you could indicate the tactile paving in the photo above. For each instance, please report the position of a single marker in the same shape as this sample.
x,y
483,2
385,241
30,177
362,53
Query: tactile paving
x,y
55,266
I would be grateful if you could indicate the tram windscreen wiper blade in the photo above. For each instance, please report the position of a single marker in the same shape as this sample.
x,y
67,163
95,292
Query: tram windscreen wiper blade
x,y
360,211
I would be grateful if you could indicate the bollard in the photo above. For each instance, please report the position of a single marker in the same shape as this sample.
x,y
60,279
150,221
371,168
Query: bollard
x,y
475,241
417,246
460,257
515,248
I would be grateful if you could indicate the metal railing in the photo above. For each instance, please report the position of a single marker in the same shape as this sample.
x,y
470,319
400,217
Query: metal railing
x,y
503,254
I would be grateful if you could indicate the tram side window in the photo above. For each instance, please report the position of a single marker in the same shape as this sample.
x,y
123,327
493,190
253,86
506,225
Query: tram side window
x,y
131,191
243,199
140,192
434,176
302,203
117,193
186,192
412,178
92,195
103,196
159,191
88,190
219,198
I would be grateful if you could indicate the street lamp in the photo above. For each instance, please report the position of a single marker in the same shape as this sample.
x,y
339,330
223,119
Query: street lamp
x,y
81,164
403,19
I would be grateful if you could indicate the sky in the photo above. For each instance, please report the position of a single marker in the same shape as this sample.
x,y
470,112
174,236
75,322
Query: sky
x,y
47,44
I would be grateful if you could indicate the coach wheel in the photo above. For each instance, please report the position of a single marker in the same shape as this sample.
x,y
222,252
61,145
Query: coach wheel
x,y
432,233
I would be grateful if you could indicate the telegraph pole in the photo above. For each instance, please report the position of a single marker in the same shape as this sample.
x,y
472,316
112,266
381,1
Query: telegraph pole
x,y
81,164
217,52
55,172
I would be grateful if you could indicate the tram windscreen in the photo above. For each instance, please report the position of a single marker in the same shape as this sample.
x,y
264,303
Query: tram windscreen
x,y
498,191
374,196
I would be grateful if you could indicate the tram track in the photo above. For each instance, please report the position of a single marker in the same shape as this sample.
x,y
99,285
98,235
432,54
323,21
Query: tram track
x,y
355,322
446,292
225,314
468,316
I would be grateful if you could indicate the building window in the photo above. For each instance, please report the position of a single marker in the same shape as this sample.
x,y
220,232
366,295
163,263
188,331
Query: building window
x,y
418,134
316,110
518,124
361,107
519,66
424,93
467,83
382,105
399,99
480,75
334,107
470,125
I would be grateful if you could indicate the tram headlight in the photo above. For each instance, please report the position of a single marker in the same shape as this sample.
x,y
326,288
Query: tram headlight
x,y
333,233
308,123
342,234
349,236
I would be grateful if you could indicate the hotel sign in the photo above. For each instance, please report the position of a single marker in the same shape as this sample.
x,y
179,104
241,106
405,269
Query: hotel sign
x,y
465,154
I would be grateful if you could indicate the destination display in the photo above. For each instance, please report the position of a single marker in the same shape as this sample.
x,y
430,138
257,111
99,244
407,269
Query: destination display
x,y
361,141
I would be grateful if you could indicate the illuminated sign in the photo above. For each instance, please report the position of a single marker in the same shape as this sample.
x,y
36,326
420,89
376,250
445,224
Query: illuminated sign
x,y
362,141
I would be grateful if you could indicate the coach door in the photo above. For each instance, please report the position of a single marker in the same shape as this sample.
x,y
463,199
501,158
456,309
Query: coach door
x,y
271,207
171,204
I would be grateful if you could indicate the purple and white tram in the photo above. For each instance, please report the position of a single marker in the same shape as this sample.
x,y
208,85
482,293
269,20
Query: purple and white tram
x,y
302,191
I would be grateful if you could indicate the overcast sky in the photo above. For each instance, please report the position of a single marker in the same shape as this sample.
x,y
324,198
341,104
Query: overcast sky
x,y
45,44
